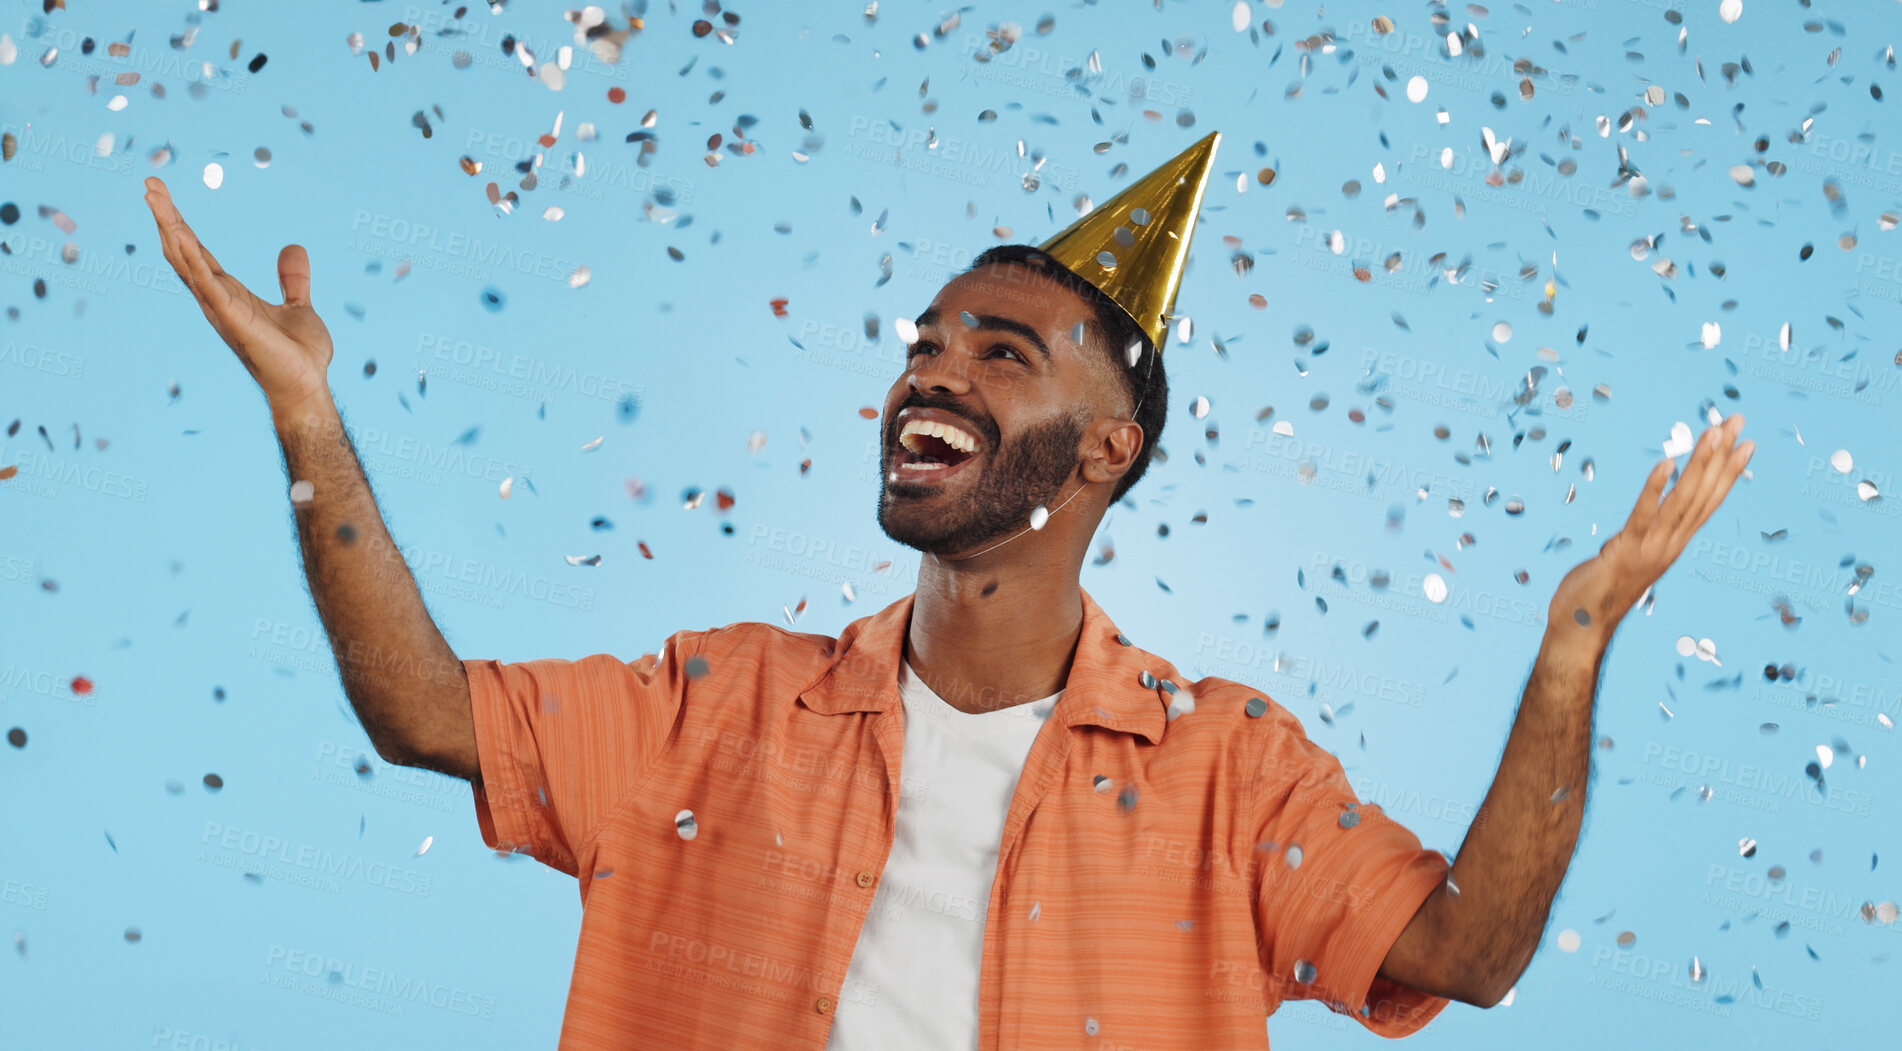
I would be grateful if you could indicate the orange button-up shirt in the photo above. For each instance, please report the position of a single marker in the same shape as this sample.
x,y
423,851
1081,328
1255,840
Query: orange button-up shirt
x,y
1178,857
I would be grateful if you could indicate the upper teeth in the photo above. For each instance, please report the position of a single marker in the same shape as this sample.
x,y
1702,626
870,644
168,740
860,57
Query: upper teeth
x,y
951,436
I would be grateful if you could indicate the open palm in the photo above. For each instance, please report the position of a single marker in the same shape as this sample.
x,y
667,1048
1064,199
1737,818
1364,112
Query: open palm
x,y
1608,584
285,346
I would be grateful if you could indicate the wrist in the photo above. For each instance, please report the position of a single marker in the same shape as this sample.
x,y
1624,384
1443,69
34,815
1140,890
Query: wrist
x,y
288,414
1584,620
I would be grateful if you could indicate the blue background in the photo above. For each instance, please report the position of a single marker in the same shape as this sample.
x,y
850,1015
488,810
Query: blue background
x,y
163,566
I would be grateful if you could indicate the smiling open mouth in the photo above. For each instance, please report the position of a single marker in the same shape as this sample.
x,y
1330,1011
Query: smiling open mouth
x,y
929,448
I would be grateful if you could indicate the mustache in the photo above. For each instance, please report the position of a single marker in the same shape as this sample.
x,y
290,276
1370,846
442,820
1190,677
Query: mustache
x,y
984,428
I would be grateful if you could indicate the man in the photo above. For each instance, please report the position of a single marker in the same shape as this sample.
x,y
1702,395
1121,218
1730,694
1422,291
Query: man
x,y
981,817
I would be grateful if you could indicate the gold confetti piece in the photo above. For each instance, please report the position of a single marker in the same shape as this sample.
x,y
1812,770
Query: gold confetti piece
x,y
508,485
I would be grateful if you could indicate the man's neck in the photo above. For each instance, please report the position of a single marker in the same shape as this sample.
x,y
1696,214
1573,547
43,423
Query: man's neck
x,y
984,652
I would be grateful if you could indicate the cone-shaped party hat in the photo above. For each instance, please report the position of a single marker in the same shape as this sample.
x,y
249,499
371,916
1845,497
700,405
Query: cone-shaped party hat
x,y
1134,246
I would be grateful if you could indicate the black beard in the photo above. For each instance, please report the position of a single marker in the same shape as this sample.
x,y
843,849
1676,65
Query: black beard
x,y
1021,475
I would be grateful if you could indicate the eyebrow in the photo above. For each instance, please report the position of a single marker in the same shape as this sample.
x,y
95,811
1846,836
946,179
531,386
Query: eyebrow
x,y
930,318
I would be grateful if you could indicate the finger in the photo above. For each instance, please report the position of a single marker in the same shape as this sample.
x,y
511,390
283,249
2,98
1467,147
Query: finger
x,y
210,260
161,218
171,240
1677,503
213,291
1714,479
170,223
1724,475
165,248
213,298
169,218
293,275
174,254
1646,511
1713,484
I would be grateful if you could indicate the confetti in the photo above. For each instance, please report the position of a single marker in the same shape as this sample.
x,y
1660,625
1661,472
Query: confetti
x,y
1680,441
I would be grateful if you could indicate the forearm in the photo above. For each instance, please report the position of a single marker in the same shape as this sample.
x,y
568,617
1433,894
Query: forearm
x,y
396,668
1516,853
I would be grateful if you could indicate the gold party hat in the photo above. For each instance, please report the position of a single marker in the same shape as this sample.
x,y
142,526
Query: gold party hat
x,y
1134,246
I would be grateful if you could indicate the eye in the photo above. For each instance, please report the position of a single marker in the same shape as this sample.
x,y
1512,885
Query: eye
x,y
920,347
1008,349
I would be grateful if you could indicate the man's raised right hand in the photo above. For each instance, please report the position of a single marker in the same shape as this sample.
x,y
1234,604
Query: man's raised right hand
x,y
285,346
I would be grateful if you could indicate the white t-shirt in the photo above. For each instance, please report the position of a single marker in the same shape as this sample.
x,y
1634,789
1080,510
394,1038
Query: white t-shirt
x,y
923,940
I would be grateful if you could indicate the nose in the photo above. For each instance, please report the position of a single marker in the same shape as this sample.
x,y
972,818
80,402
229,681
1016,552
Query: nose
x,y
941,373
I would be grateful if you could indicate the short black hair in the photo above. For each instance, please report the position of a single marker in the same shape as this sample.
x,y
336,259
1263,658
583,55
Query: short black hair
x,y
1144,381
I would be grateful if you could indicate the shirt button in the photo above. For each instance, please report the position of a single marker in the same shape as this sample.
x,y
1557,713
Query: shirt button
x,y
865,879
822,1005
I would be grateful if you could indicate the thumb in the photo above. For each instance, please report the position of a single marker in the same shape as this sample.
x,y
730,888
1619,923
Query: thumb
x,y
293,275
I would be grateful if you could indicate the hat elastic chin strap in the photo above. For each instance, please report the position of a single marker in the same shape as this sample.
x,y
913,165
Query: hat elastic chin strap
x,y
1013,536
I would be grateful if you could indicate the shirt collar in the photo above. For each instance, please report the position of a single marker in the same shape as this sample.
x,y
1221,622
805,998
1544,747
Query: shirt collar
x,y
1106,686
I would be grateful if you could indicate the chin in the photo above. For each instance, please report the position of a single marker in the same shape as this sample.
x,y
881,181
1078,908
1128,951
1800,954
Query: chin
x,y
916,521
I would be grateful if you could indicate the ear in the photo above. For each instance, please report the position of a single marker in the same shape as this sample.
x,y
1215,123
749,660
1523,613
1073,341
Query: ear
x,y
1110,449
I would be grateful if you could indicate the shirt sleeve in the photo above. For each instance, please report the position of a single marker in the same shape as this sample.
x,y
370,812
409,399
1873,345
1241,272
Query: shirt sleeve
x,y
560,742
1336,883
